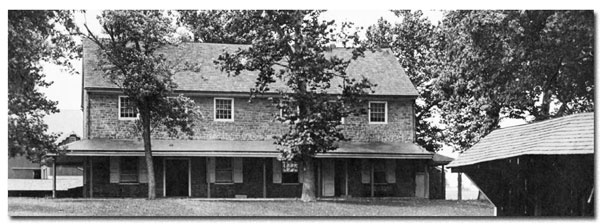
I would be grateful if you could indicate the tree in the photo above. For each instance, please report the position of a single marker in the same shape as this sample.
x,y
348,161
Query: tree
x,y
478,67
220,26
416,44
129,57
513,64
290,47
35,36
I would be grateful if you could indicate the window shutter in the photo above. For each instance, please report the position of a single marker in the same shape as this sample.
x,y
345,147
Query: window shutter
x,y
210,170
276,171
142,170
238,170
390,171
365,171
114,169
300,172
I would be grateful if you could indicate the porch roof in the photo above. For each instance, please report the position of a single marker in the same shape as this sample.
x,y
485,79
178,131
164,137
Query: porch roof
x,y
229,148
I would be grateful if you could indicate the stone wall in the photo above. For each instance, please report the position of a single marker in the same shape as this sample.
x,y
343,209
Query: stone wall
x,y
252,121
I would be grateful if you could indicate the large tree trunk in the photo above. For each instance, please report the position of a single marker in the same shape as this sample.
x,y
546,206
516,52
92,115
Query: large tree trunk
x,y
308,184
148,154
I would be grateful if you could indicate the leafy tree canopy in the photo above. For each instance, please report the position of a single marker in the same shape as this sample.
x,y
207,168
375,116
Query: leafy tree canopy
x,y
130,58
478,67
291,47
35,36
221,26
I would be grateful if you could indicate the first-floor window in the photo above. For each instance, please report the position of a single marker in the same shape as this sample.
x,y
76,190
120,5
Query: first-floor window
x,y
379,172
223,170
129,169
289,172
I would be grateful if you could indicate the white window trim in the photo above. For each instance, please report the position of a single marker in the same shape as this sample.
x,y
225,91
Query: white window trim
x,y
386,112
215,109
119,111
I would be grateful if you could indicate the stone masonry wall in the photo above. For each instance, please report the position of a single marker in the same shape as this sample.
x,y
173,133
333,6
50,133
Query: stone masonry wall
x,y
252,121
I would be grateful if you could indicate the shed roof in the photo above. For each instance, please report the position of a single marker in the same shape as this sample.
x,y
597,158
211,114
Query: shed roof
x,y
567,135
380,67
229,148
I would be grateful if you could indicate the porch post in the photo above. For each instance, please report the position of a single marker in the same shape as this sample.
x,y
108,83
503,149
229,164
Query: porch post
x,y
91,164
372,178
54,178
190,177
319,187
264,166
84,190
459,190
207,182
346,177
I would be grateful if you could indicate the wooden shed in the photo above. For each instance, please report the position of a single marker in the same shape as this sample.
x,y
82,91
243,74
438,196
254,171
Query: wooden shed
x,y
540,169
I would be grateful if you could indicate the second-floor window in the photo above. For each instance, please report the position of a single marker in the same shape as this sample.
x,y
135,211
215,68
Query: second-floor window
x,y
127,110
223,109
378,112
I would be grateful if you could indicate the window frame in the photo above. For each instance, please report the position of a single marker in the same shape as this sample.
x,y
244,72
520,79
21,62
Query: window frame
x,y
284,164
121,118
230,170
136,173
215,109
385,112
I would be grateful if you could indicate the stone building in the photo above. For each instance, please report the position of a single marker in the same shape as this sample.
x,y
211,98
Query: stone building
x,y
232,152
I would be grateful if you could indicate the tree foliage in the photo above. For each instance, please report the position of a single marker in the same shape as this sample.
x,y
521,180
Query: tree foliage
x,y
221,26
291,47
478,67
514,64
416,44
129,56
35,36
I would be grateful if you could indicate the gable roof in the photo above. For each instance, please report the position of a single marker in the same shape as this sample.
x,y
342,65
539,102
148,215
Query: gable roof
x,y
380,67
567,135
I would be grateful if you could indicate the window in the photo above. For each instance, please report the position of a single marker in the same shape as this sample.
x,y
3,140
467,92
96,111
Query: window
x,y
377,112
289,172
223,170
223,109
343,119
127,110
129,169
379,175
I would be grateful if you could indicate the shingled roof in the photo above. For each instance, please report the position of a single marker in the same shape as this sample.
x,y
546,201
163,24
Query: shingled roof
x,y
380,67
572,134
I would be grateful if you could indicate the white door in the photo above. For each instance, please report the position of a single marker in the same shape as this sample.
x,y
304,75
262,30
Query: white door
x,y
328,171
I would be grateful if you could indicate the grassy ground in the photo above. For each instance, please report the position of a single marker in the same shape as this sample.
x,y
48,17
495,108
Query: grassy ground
x,y
192,207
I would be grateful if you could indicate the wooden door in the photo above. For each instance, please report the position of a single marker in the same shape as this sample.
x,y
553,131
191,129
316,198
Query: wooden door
x,y
420,185
328,176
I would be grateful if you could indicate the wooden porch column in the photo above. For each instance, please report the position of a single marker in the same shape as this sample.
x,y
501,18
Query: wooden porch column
x,y
459,190
346,177
372,178
264,166
91,164
319,187
54,178
207,182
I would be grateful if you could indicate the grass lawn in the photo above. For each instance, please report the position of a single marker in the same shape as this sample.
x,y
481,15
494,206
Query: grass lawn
x,y
195,207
